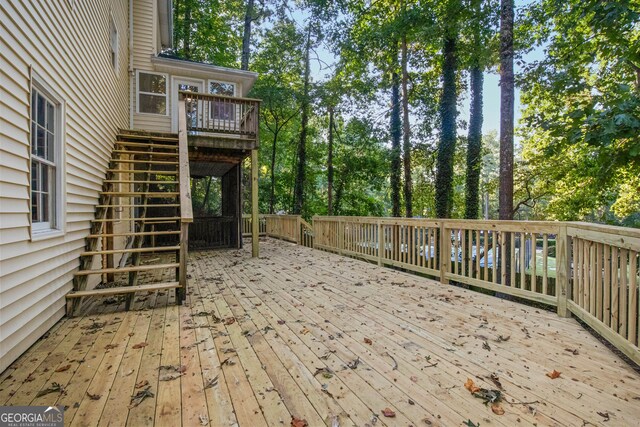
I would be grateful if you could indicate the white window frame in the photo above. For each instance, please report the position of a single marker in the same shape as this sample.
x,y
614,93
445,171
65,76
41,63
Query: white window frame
x,y
57,221
166,94
114,45
235,91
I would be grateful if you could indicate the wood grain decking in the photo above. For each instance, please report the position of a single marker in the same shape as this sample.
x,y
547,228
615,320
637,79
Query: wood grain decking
x,y
312,335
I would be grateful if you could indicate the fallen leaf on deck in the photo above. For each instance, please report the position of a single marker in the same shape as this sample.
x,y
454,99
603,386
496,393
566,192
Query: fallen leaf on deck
x,y
212,382
281,322
604,415
63,368
572,351
553,374
368,341
140,396
110,346
204,420
470,423
171,372
229,321
486,346
140,345
142,384
55,388
297,422
414,378
387,412
354,364
503,339
93,396
496,380
29,378
469,385
497,409
131,334
304,331
129,372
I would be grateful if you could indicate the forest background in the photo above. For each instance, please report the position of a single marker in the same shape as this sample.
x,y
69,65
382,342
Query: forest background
x,y
392,107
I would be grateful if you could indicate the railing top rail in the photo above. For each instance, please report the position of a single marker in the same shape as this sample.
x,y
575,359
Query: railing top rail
x,y
184,93
281,216
611,229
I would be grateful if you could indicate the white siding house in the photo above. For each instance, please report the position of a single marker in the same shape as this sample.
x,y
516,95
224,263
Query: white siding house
x,y
70,74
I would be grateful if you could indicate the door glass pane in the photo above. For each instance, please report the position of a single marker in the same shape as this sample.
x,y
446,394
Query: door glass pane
x,y
188,87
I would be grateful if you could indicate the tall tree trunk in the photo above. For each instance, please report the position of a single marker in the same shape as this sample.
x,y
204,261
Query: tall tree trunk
x,y
330,166
246,36
186,31
474,145
406,141
272,196
506,109
302,143
448,115
205,201
395,142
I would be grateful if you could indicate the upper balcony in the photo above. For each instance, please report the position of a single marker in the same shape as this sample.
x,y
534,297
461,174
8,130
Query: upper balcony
x,y
217,121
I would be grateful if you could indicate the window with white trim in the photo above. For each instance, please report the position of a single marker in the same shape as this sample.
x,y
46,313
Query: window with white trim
x,y
46,160
113,43
152,93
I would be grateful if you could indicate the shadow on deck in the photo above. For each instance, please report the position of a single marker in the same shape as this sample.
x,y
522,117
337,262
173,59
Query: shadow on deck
x,y
312,335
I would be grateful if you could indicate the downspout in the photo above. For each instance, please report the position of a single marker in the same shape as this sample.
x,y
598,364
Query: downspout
x,y
131,73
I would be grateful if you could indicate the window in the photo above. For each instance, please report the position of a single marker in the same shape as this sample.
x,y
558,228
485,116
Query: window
x,y
152,93
221,110
46,160
113,43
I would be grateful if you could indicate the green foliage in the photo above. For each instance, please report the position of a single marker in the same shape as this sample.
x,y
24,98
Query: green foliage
x,y
581,126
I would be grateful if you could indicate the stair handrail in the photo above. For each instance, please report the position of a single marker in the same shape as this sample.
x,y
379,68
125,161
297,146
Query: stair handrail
x,y
186,209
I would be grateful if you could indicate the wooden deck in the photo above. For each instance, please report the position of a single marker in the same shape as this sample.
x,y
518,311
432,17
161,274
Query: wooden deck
x,y
312,335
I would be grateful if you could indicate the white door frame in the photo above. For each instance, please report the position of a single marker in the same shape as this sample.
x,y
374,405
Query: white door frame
x,y
175,81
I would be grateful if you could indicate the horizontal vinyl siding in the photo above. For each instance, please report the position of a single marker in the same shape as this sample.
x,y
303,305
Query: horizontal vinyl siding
x,y
69,49
144,47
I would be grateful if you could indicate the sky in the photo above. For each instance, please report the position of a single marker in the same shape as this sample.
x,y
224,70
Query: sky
x,y
491,87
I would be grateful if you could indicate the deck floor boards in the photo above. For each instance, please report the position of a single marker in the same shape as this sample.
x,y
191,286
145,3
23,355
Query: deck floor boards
x,y
312,335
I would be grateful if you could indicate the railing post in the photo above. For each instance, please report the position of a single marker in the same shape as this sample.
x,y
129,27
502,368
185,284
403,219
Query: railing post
x,y
445,253
182,269
255,252
340,236
563,269
380,243
299,231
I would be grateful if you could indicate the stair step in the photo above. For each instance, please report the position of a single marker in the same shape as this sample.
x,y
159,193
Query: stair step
x,y
126,137
140,233
133,181
123,290
127,269
160,205
152,172
146,220
154,194
148,145
145,153
132,250
146,162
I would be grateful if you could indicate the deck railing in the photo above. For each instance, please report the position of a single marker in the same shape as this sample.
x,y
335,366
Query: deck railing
x,y
246,225
231,116
585,269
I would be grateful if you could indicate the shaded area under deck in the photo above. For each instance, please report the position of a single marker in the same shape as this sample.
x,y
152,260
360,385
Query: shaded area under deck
x,y
262,340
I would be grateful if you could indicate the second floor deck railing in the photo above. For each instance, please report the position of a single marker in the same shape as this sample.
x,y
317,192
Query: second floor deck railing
x,y
231,116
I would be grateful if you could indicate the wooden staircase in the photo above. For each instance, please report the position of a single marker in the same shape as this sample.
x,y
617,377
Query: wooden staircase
x,y
146,205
